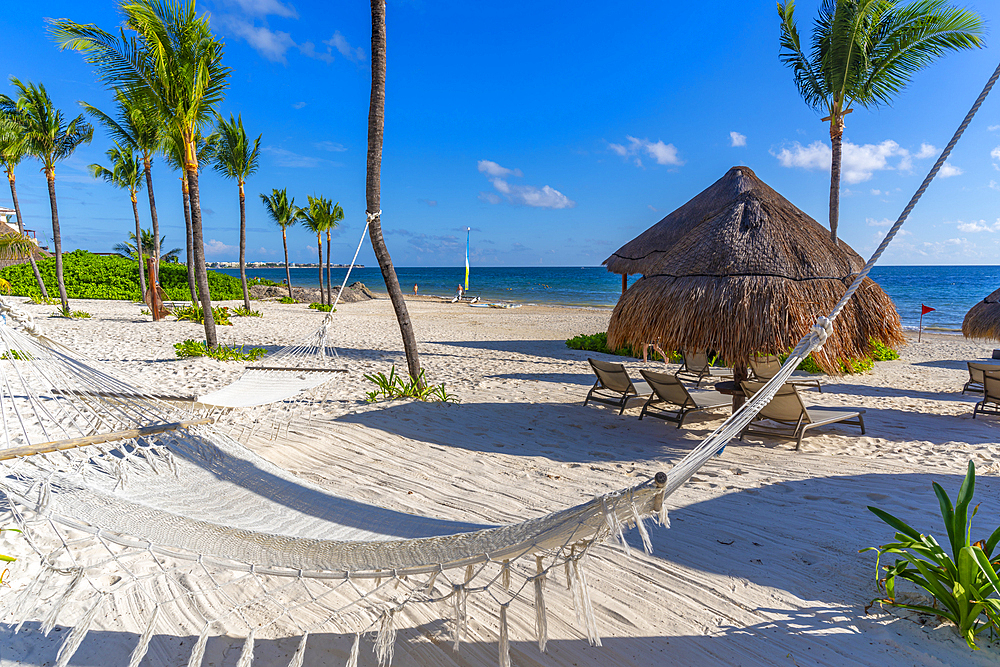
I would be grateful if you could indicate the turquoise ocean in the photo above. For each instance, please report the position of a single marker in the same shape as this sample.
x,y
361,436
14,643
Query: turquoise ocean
x,y
951,290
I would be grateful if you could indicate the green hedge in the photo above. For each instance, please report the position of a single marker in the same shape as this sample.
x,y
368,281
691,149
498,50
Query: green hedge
x,y
90,276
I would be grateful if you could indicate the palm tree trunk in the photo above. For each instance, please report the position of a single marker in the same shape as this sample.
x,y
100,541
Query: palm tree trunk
x,y
198,243
376,124
190,241
243,247
138,247
836,141
319,246
147,167
329,288
288,273
20,227
50,176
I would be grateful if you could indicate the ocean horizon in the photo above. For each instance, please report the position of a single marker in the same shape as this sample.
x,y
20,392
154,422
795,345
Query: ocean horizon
x,y
950,290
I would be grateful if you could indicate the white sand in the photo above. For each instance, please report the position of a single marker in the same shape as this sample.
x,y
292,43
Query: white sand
x,y
760,566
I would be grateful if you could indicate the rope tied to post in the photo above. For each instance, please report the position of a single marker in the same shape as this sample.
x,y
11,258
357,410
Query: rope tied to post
x,y
373,216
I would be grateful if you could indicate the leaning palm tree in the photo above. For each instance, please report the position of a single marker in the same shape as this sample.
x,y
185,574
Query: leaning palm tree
x,y
13,149
376,125
864,52
125,174
50,139
336,215
236,158
137,127
284,213
173,153
176,61
316,218
130,250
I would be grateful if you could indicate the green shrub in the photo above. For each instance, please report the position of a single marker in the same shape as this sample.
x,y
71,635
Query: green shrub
x,y
196,314
287,299
195,348
17,355
964,585
322,307
89,276
598,342
878,352
39,300
263,281
241,311
882,352
392,386
71,314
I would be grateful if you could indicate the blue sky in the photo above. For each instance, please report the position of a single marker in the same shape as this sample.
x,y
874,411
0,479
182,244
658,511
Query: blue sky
x,y
556,131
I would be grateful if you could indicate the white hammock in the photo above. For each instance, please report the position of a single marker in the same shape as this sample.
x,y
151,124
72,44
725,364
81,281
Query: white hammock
x,y
288,372
119,493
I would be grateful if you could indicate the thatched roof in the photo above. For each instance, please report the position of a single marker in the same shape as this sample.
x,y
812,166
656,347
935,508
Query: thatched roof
x,y
742,271
983,319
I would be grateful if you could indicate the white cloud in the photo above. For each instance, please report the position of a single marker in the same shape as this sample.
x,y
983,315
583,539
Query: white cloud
x,y
860,162
217,248
272,44
286,158
331,146
876,192
340,43
493,169
298,105
526,195
994,185
308,49
976,226
995,154
993,128
263,8
660,152
884,222
653,208
948,170
737,139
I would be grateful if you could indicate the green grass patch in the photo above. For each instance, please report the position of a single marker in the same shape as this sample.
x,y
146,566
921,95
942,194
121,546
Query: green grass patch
x,y
90,276
598,342
198,348
322,307
392,386
287,299
71,314
241,311
195,313
16,355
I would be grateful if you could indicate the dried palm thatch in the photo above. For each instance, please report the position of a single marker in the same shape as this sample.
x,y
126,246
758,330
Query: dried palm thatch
x,y
740,270
983,319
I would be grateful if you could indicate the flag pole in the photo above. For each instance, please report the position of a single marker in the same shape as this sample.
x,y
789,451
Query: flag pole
x,y
920,327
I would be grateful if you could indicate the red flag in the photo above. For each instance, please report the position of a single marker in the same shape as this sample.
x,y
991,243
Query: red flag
x,y
925,309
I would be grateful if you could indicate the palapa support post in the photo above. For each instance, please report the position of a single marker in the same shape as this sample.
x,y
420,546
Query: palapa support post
x,y
624,283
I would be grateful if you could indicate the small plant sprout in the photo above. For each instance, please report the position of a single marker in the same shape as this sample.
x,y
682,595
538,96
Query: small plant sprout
x,y
392,386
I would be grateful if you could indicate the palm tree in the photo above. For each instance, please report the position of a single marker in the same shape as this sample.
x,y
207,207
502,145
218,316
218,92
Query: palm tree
x,y
173,152
128,248
176,61
864,52
236,158
376,124
50,139
125,174
316,218
13,149
139,128
284,213
336,215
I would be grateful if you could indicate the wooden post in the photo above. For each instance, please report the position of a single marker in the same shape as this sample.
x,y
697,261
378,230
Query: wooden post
x,y
624,283
154,302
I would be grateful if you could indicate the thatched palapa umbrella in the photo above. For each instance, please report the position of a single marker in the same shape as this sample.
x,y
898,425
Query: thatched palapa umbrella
x,y
983,319
740,270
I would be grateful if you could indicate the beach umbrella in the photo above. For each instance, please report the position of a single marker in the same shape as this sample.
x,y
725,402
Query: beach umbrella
x,y
741,271
983,319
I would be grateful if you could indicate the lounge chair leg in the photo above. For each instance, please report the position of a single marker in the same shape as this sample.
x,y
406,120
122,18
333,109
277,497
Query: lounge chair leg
x,y
861,419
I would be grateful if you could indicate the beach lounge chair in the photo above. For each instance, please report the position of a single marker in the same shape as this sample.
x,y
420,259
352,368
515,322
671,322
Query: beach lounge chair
x,y
976,370
672,401
991,394
793,417
766,367
614,386
697,367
